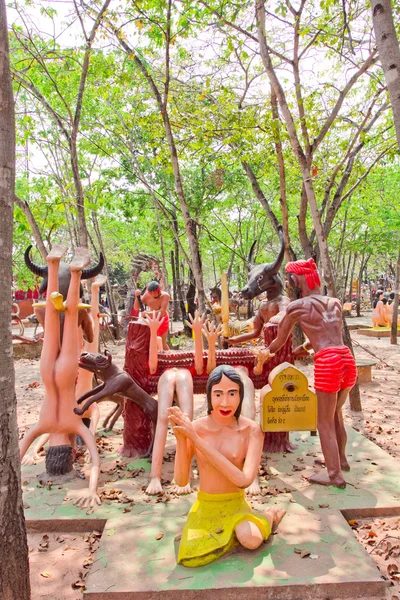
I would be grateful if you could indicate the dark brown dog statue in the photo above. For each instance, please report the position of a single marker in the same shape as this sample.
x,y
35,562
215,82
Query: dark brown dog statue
x,y
114,381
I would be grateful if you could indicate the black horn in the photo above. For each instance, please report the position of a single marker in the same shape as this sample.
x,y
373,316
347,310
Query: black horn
x,y
250,258
93,271
273,268
36,269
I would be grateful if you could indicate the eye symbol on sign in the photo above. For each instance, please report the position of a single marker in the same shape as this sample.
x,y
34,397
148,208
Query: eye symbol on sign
x,y
290,387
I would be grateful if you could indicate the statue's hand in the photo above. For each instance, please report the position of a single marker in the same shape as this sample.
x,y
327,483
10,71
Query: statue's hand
x,y
211,333
153,320
300,352
87,499
196,323
262,354
182,426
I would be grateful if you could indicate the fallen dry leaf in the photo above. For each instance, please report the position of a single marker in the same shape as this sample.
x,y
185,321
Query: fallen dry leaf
x,y
45,574
159,536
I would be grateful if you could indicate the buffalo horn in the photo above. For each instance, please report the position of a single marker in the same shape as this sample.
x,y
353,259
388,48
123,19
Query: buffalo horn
x,y
250,258
93,271
36,269
273,268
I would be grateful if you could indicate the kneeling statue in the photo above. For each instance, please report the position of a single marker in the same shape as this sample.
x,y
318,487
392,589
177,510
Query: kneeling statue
x,y
228,449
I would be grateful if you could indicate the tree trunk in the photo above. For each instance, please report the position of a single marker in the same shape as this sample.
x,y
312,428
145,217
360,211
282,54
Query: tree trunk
x,y
393,332
164,262
352,278
14,570
346,279
355,398
289,253
175,312
389,54
110,297
297,149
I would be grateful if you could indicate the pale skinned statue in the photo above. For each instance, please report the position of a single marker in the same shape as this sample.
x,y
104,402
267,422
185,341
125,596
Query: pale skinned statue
x,y
59,369
228,449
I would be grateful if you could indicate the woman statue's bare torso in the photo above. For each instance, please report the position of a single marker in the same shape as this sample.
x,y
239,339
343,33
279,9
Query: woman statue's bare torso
x,y
231,442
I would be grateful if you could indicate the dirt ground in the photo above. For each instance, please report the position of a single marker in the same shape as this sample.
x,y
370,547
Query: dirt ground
x,y
379,421
60,562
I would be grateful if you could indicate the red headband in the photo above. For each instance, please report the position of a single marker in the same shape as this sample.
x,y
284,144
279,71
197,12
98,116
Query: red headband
x,y
308,268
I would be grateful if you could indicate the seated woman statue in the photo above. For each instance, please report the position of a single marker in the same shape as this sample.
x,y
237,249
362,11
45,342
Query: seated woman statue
x,y
228,449
379,313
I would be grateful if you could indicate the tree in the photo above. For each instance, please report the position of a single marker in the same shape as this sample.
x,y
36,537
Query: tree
x,y
389,54
14,571
66,117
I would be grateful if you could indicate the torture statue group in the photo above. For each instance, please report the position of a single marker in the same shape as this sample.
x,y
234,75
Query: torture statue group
x,y
227,442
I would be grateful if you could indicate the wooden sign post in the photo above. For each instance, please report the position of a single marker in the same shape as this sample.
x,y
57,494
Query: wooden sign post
x,y
287,403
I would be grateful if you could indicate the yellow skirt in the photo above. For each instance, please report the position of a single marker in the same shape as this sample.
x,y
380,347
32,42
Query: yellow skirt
x,y
209,531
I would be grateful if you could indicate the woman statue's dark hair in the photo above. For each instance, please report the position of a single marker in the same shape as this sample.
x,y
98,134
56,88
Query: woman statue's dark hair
x,y
216,376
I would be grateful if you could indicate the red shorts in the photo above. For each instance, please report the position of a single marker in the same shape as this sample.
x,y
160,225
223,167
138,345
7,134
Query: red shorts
x,y
164,325
335,369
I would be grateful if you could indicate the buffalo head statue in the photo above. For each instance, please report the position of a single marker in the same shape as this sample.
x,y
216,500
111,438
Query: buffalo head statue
x,y
64,274
264,277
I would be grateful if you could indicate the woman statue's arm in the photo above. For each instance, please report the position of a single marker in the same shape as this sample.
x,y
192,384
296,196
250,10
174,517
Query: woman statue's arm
x,y
183,457
241,478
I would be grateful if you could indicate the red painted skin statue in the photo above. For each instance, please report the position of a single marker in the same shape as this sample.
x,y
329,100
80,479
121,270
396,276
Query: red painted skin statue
x,y
156,300
335,370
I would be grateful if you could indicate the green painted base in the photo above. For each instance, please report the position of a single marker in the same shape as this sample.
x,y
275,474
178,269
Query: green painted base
x,y
132,563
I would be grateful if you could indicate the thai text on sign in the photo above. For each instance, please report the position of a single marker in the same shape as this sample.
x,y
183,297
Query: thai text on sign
x,y
287,403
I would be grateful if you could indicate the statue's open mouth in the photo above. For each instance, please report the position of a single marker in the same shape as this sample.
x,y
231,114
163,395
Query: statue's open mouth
x,y
225,413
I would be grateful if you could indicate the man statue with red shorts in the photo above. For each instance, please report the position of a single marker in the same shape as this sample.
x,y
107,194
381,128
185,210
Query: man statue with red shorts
x,y
335,370
156,300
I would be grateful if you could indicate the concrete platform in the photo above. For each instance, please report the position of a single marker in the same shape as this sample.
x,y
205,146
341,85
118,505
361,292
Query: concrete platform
x,y
132,563
377,332
27,351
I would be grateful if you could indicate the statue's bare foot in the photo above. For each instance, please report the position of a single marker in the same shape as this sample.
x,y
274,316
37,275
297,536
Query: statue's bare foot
x,y
322,478
275,516
80,260
56,252
181,490
254,488
344,465
99,281
154,487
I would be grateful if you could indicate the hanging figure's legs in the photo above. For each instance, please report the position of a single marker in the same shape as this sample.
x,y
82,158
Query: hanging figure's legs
x,y
51,340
